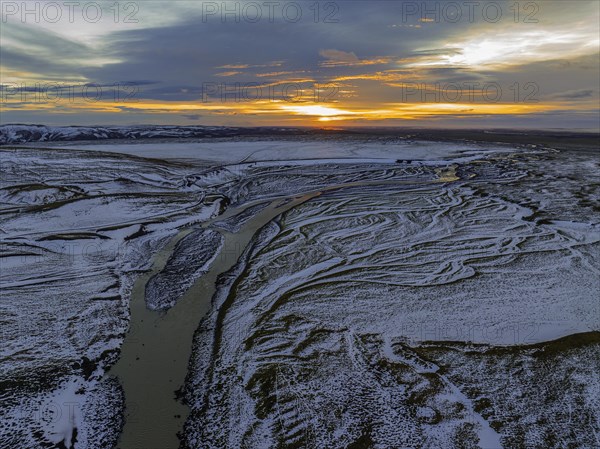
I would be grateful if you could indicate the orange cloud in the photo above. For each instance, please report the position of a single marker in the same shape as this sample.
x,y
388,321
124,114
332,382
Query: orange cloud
x,y
337,58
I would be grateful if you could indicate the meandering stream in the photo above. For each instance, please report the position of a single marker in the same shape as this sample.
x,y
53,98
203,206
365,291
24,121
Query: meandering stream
x,y
156,351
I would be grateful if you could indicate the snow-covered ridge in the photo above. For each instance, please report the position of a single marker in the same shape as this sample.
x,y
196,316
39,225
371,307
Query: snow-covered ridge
x,y
11,134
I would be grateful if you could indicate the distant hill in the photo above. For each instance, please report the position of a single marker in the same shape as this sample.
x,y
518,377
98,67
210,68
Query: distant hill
x,y
11,134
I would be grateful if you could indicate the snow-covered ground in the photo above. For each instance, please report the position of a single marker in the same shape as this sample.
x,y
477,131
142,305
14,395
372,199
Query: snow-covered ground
x,y
230,152
76,230
325,329
419,294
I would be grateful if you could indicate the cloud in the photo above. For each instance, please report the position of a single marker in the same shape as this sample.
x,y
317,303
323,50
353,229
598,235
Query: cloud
x,y
192,116
339,56
231,73
574,94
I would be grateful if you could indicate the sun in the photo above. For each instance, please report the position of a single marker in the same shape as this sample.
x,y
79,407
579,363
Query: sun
x,y
323,112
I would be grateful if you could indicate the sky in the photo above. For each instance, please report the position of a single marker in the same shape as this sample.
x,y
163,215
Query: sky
x,y
445,64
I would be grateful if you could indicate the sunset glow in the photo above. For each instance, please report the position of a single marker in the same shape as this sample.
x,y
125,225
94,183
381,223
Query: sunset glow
x,y
530,66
